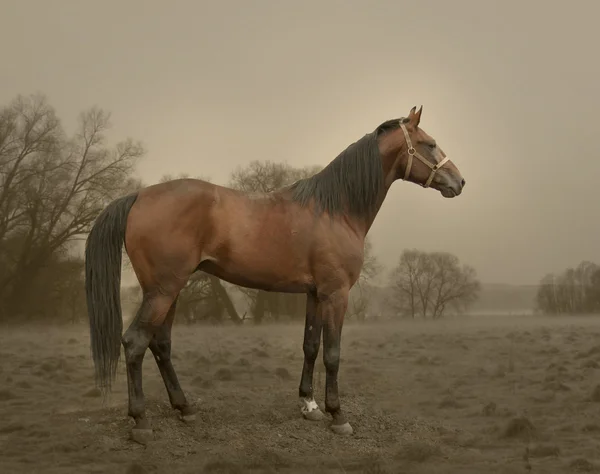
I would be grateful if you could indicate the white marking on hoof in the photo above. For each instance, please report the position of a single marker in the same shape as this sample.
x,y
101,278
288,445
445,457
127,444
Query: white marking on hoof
x,y
310,410
343,430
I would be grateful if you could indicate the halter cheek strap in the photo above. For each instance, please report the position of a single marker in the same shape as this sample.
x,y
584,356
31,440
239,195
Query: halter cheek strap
x,y
412,152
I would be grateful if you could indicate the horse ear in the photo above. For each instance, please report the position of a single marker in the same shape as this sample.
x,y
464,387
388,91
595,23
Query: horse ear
x,y
415,116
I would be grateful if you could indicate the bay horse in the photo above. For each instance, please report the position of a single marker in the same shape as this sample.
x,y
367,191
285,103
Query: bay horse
x,y
307,237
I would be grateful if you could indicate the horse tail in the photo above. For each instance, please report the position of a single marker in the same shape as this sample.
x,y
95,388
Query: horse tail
x,y
103,259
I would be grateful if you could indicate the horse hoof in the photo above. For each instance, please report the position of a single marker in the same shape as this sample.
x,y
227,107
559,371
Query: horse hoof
x,y
142,435
342,430
187,414
188,418
313,415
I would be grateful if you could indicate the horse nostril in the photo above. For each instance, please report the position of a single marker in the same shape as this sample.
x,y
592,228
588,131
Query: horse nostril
x,y
462,182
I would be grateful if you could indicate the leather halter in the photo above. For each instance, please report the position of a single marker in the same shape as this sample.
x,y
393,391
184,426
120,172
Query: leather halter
x,y
412,152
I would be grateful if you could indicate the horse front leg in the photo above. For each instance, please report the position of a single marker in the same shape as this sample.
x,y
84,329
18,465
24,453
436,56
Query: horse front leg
x,y
332,309
312,340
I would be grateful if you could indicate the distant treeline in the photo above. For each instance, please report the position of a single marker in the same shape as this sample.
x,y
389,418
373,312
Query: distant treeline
x,y
574,291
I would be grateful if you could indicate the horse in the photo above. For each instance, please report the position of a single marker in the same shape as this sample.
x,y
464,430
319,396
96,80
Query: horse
x,y
307,237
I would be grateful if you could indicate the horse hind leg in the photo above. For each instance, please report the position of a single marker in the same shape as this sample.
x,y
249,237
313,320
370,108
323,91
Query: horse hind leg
x,y
160,345
148,320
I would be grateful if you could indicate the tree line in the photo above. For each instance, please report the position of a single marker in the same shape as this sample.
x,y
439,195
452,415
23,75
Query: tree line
x,y
53,186
574,291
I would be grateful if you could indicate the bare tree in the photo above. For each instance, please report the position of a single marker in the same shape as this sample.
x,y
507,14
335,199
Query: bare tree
x,y
409,292
52,187
432,283
454,286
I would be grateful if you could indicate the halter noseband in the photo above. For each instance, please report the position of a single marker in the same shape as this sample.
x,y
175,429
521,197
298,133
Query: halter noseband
x,y
412,152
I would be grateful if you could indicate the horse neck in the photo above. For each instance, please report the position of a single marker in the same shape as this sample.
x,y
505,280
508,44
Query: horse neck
x,y
371,218
390,163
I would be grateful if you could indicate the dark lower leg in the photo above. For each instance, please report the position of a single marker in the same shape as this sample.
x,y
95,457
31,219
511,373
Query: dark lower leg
x,y
333,315
331,358
312,340
135,342
160,345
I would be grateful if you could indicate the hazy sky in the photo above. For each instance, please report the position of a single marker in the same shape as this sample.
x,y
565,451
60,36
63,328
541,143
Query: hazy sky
x,y
510,90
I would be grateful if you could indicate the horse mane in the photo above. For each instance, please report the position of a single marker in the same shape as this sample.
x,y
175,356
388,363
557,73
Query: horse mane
x,y
351,182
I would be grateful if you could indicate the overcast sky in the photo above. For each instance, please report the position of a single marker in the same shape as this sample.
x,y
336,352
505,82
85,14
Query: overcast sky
x,y
510,90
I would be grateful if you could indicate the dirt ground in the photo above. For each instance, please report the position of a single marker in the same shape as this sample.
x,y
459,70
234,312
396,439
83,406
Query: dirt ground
x,y
513,395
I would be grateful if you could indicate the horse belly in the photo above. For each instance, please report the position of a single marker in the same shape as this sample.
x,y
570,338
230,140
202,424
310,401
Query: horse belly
x,y
260,262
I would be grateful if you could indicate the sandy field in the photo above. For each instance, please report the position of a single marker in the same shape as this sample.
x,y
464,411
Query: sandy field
x,y
473,395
